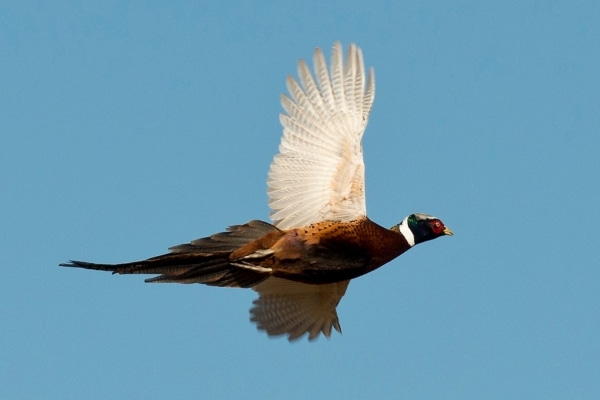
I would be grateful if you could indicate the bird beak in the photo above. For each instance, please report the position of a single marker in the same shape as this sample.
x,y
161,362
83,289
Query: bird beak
x,y
448,232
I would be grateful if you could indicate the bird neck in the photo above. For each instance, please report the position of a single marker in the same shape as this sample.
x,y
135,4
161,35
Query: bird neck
x,y
387,244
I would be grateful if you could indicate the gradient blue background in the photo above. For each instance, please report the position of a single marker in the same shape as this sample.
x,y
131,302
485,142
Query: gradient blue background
x,y
128,127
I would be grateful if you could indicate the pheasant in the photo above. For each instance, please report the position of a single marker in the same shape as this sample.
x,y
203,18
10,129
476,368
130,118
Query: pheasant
x,y
321,237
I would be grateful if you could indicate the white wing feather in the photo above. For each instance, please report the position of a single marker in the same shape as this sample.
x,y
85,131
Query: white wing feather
x,y
319,172
294,309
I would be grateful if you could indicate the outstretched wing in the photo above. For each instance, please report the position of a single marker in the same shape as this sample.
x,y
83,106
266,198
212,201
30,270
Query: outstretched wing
x,y
294,308
319,172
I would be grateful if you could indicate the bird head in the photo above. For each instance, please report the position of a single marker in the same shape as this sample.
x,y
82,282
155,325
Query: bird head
x,y
418,228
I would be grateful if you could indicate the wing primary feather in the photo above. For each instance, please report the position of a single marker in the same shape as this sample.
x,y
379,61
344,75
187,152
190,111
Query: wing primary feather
x,y
338,78
324,119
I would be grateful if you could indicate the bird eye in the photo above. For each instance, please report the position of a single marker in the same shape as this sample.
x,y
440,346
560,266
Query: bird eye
x,y
437,226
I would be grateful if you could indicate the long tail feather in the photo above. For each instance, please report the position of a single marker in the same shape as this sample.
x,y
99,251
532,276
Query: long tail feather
x,y
204,260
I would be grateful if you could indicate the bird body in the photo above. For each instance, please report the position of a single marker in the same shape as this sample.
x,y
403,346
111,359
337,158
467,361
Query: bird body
x,y
332,251
321,237
319,253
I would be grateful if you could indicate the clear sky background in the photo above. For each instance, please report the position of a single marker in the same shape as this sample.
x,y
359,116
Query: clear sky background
x,y
128,127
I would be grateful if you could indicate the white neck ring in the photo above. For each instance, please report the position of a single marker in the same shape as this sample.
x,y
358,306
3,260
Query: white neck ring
x,y
406,232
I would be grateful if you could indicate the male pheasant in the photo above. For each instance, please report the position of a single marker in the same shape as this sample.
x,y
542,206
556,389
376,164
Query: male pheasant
x,y
320,238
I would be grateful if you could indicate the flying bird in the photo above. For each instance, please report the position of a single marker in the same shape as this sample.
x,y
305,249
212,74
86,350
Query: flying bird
x,y
321,237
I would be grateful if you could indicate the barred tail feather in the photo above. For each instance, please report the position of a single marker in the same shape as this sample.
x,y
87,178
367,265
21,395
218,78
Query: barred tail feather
x,y
204,260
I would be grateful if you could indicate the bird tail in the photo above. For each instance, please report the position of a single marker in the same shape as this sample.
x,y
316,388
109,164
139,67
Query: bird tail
x,y
204,260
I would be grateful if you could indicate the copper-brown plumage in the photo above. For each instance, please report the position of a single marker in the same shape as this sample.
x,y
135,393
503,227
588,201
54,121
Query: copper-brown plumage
x,y
344,250
319,253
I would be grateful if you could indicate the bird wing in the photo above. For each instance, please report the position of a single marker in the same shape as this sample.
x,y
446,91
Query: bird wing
x,y
293,308
319,172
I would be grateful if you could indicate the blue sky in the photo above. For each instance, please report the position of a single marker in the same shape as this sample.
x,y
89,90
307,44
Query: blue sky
x,y
131,127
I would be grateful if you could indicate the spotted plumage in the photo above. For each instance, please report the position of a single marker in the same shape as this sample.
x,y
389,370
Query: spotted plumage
x,y
320,238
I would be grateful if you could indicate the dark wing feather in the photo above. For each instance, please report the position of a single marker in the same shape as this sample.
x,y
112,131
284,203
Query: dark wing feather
x,y
235,237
